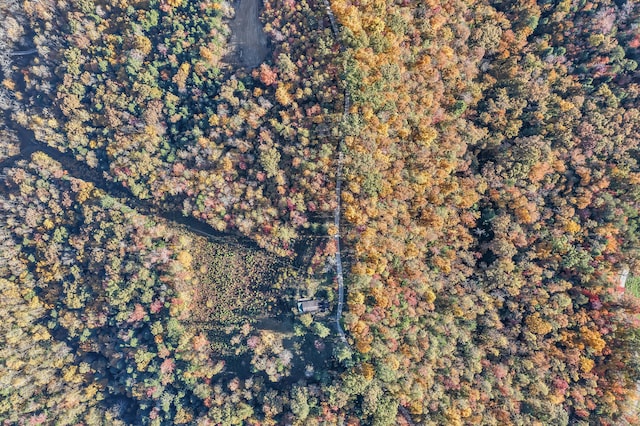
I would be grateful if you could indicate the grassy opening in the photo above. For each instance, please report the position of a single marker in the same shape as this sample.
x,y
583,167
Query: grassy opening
x,y
633,286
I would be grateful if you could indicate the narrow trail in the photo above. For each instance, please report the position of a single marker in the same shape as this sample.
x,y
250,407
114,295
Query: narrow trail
x,y
339,273
338,210
336,217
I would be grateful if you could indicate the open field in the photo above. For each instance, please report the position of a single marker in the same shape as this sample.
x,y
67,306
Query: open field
x,y
233,283
633,286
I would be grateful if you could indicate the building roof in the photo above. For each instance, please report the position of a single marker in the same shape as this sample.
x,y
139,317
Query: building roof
x,y
313,305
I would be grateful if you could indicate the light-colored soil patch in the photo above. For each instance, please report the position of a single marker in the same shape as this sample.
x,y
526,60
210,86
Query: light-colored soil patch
x,y
248,40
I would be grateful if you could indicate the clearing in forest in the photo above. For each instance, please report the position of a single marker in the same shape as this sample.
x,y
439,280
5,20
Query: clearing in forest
x,y
234,283
248,39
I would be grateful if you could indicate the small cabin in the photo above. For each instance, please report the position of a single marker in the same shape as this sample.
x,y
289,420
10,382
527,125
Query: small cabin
x,y
312,305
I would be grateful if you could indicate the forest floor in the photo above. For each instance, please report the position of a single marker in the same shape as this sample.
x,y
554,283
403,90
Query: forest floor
x,y
249,42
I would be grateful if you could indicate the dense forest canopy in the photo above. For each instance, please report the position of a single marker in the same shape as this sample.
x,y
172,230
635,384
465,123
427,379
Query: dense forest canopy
x,y
485,154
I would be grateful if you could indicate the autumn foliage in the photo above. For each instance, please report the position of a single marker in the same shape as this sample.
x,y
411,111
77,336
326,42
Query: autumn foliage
x,y
492,206
489,209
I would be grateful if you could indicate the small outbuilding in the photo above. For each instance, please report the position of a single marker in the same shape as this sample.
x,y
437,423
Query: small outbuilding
x,y
312,305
